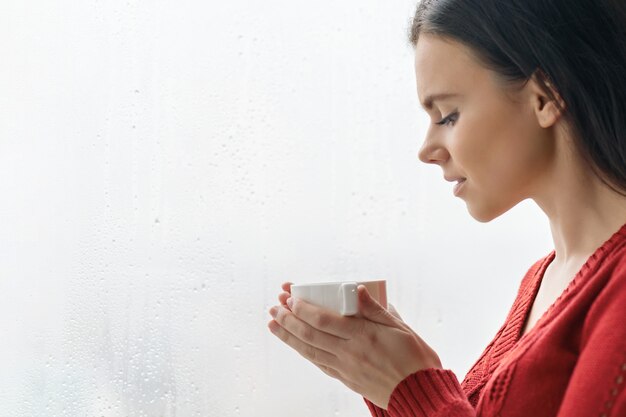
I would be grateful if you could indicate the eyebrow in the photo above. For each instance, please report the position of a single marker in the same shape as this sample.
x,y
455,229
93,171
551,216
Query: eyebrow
x,y
428,102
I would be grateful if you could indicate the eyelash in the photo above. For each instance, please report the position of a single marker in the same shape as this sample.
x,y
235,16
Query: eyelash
x,y
445,120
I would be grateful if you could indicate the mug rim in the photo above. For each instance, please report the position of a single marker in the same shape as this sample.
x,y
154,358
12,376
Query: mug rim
x,y
321,284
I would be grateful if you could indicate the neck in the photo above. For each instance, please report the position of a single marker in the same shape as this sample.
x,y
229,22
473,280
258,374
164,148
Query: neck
x,y
583,213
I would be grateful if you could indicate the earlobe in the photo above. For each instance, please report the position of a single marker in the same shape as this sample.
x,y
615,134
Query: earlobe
x,y
548,110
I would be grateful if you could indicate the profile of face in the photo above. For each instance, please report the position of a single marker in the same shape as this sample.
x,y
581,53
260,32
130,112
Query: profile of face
x,y
495,144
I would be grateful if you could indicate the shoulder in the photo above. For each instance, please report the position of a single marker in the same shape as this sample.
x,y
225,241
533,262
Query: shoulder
x,y
606,289
606,272
615,261
609,261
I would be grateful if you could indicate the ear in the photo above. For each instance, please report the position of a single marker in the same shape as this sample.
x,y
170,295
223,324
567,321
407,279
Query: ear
x,y
548,111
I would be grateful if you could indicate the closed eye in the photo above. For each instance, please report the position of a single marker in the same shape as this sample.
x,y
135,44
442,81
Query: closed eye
x,y
449,120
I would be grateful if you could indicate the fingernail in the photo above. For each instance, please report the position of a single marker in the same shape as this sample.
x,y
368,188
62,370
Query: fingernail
x,y
290,302
273,312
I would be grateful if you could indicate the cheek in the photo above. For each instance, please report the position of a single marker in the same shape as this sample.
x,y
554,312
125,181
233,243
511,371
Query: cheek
x,y
501,154
525,151
474,148
497,147
477,135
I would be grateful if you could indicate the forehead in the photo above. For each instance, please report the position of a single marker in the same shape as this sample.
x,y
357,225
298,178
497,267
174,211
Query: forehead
x,y
446,66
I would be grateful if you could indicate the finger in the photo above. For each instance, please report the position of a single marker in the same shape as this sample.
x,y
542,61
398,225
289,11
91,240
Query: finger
x,y
323,319
287,287
330,371
282,298
311,353
372,310
304,331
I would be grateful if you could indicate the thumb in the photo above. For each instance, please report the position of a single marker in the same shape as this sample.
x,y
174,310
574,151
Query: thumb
x,y
372,310
394,312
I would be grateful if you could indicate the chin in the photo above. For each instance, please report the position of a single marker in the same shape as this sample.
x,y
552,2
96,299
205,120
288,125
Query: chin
x,y
485,214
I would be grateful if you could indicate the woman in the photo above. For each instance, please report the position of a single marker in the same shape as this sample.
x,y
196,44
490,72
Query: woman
x,y
527,100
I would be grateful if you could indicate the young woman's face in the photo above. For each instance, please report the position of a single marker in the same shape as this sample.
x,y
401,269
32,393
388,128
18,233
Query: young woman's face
x,y
488,138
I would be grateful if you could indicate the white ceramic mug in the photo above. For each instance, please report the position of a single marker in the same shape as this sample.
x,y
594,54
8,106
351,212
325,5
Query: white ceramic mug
x,y
340,297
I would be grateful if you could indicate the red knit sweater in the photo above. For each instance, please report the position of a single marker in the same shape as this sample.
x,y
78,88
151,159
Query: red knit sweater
x,y
572,363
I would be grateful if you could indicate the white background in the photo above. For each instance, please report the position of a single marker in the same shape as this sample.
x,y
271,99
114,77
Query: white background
x,y
164,166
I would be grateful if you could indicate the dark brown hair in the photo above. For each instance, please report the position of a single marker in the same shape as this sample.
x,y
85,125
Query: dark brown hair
x,y
576,49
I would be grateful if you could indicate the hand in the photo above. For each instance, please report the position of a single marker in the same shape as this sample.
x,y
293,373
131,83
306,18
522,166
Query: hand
x,y
371,354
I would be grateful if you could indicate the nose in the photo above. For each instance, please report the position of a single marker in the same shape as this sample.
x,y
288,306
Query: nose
x,y
432,152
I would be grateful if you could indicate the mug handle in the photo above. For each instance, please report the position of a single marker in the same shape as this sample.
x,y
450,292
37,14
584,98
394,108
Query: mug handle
x,y
349,299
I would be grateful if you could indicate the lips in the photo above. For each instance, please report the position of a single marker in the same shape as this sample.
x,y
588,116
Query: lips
x,y
458,186
460,181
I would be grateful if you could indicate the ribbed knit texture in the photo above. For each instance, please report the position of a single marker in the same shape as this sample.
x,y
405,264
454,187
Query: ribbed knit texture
x,y
572,363
509,333
426,393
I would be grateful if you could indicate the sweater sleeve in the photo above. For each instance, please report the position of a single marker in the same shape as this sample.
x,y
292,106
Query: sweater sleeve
x,y
427,393
596,386
375,410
